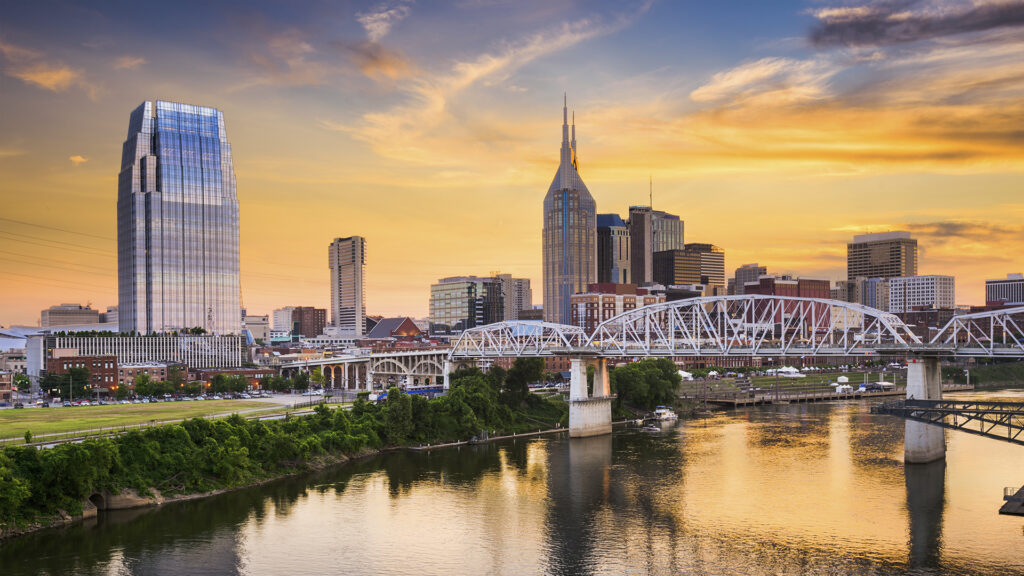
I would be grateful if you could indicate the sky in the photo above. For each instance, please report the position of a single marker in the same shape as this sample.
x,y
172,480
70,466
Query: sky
x,y
776,130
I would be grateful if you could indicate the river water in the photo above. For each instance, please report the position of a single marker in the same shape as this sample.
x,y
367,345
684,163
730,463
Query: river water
x,y
797,489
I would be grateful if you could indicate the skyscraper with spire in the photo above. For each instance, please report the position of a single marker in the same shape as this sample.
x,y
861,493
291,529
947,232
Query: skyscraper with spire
x,y
570,232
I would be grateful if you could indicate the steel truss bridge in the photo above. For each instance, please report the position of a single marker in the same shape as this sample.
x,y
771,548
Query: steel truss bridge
x,y
998,420
749,325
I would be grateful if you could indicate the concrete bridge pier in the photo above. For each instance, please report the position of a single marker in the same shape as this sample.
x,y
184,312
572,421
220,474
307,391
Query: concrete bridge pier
x,y
923,443
589,414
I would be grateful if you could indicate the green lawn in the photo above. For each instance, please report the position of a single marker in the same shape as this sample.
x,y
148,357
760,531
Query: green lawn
x,y
56,420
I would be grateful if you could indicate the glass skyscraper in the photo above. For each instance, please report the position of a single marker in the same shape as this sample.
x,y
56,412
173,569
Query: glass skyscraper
x,y
570,233
177,222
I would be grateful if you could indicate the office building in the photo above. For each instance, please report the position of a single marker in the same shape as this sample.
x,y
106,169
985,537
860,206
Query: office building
x,y
177,223
695,264
258,327
463,302
651,231
308,321
885,255
1008,291
570,233
110,316
747,273
613,258
604,300
874,292
846,291
68,315
517,294
282,319
347,257
771,285
127,372
913,292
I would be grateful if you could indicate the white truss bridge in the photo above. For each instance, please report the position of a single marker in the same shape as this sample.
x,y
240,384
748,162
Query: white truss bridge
x,y
748,326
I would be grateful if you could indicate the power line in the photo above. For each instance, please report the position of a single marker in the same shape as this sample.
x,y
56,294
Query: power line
x,y
54,228
83,268
66,245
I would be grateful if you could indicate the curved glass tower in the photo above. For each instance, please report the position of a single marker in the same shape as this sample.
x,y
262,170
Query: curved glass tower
x,y
570,233
177,222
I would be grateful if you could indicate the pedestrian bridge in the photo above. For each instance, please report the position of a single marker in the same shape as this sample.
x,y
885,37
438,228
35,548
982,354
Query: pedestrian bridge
x,y
750,326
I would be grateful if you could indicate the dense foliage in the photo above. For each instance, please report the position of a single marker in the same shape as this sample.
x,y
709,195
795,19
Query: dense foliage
x,y
997,374
647,383
199,455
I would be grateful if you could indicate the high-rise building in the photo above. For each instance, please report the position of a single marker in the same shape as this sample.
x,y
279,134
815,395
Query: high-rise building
x,y
68,315
874,292
463,302
696,263
517,294
570,233
613,263
884,255
1003,291
747,273
308,321
651,231
347,257
177,222
934,291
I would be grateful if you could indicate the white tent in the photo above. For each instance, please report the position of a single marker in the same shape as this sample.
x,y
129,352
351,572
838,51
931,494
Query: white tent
x,y
685,375
843,379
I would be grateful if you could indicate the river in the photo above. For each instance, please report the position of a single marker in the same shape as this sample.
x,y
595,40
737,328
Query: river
x,y
797,489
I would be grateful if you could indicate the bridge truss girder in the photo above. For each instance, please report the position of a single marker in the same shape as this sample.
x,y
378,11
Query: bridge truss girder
x,y
998,420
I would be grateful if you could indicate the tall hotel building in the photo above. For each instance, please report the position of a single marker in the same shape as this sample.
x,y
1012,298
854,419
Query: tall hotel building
x,y
177,222
570,233
347,258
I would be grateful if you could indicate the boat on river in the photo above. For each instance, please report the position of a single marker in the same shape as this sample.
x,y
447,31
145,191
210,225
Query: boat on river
x,y
665,413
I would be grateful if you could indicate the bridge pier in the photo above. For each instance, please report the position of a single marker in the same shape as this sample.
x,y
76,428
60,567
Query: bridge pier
x,y
923,443
589,414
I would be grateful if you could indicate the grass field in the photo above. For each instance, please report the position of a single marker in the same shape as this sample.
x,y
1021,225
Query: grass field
x,y
57,420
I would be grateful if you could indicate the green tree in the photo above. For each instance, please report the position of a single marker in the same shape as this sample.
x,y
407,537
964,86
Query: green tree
x,y
647,383
398,421
317,377
121,393
22,383
28,436
300,381
517,384
144,385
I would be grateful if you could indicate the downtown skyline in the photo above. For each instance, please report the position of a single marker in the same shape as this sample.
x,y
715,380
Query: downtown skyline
x,y
779,140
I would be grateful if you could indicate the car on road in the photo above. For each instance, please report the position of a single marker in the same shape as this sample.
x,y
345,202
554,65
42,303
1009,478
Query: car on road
x,y
66,404
19,405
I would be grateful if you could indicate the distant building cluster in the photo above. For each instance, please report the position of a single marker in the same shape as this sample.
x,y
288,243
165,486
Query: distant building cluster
x,y
179,291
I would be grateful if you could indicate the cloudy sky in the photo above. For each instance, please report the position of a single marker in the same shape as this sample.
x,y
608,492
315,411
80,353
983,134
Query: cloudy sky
x,y
777,130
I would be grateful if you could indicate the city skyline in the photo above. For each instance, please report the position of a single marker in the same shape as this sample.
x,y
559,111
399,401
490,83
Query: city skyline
x,y
740,133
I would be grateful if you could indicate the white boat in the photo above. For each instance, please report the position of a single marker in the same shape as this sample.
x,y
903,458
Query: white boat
x,y
664,413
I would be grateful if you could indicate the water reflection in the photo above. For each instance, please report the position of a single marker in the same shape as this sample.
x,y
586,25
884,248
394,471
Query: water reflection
x,y
926,498
809,489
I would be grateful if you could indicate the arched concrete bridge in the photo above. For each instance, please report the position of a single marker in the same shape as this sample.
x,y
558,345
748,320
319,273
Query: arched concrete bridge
x,y
750,326
379,369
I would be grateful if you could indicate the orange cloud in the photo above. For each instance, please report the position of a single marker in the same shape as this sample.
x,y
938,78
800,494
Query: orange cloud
x,y
78,160
28,66
129,62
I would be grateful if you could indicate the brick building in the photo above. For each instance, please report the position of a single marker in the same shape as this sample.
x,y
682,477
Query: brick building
x,y
102,369
604,300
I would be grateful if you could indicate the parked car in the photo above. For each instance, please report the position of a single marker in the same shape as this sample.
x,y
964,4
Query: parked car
x,y
67,404
19,405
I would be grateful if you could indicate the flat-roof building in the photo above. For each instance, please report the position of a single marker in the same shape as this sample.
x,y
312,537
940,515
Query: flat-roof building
x,y
884,255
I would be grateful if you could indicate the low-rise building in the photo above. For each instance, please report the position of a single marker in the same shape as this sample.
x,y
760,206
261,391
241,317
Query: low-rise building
x,y
129,371
926,321
6,387
604,300
68,315
258,327
103,372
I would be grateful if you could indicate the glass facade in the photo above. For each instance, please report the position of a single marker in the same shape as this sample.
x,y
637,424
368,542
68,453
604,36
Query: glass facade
x,y
177,222
465,302
570,234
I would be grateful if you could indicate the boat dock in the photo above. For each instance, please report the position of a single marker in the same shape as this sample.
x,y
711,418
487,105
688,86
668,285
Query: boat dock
x,y
740,398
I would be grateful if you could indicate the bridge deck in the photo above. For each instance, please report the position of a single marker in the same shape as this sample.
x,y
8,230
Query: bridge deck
x,y
999,420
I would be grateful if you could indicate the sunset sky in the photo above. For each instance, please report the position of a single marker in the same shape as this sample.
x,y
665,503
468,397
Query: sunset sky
x,y
777,130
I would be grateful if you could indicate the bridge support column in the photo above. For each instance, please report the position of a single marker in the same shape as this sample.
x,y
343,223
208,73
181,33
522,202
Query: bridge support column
x,y
589,415
447,373
923,443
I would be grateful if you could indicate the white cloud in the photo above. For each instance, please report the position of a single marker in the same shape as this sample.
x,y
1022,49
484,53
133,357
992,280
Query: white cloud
x,y
782,79
129,62
78,160
379,21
